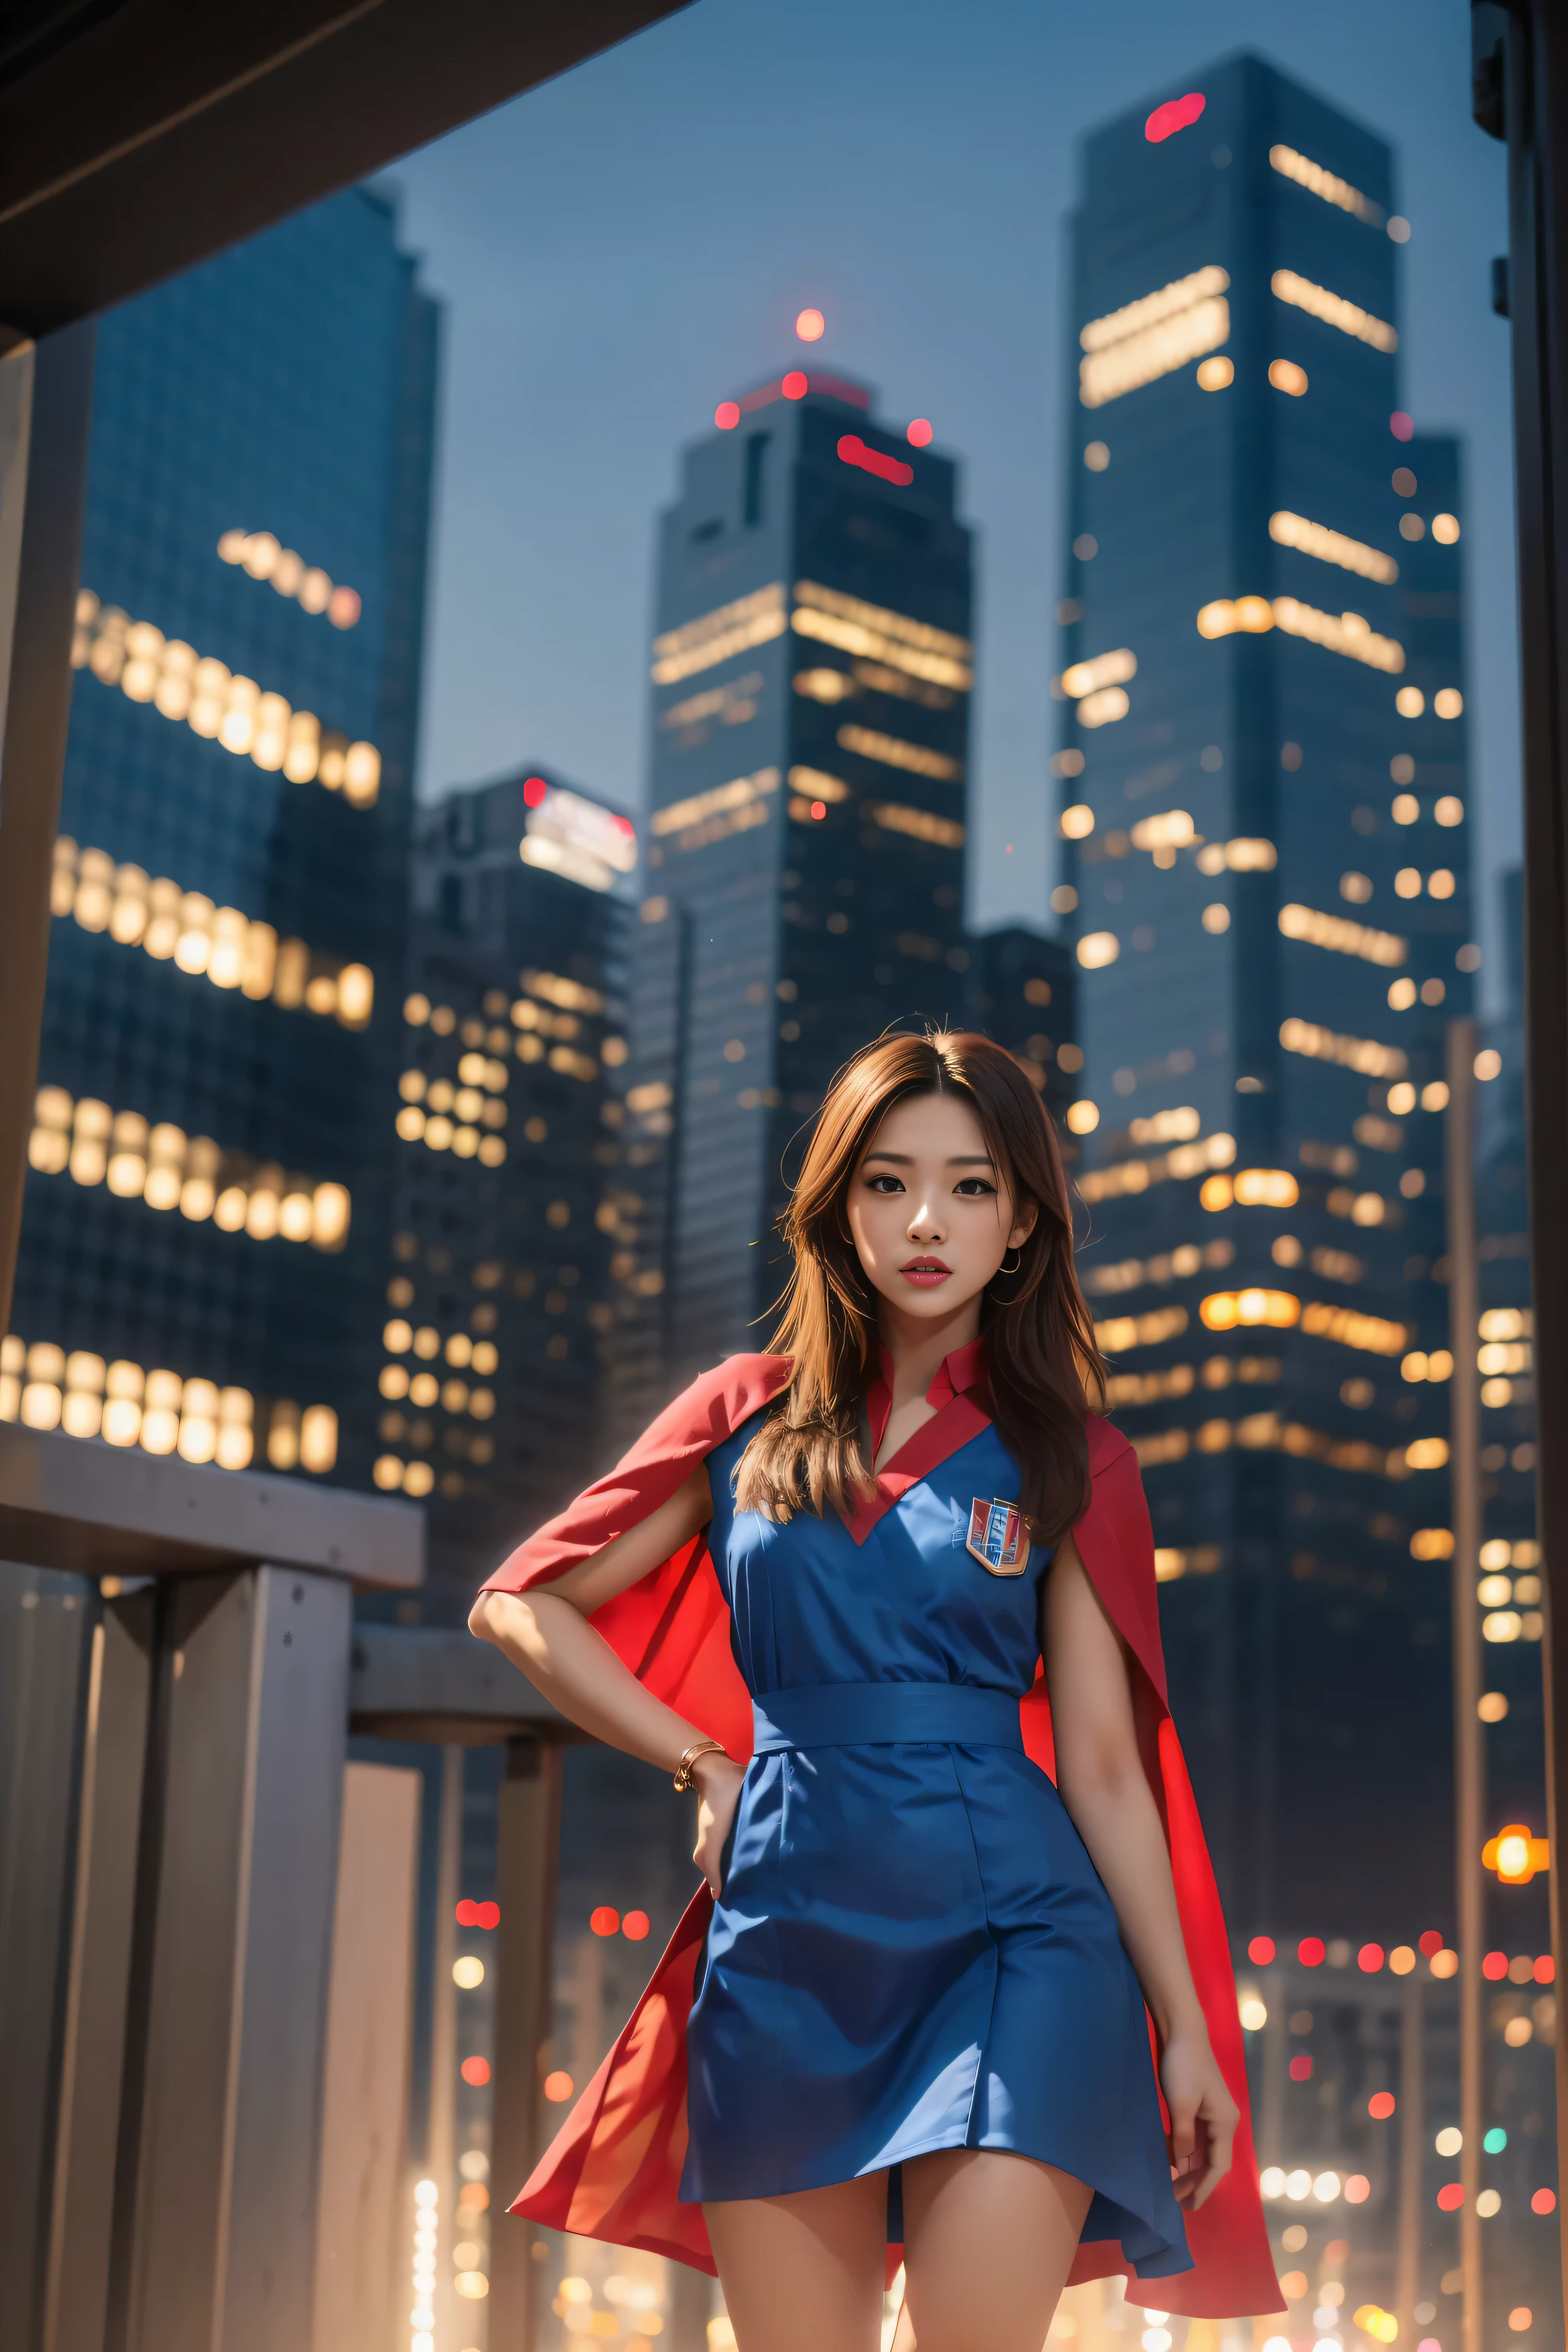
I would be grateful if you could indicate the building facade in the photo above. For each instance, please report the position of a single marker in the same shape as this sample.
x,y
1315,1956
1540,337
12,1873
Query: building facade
x,y
1264,809
205,1224
811,670
504,1125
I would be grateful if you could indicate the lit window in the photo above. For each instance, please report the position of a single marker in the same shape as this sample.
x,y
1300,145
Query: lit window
x,y
1096,456
1133,1176
688,818
1372,1059
1286,376
1148,339
1327,184
1097,949
1215,374
1086,677
1333,547
1333,310
1448,702
1123,1331
920,824
1446,529
1410,702
215,703
869,743
872,631
1076,824
730,629
183,927
1402,995
1411,527
258,553
1337,933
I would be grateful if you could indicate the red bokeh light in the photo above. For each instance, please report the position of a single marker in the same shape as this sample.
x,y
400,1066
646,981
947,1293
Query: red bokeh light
x,y
1380,2107
636,1924
819,810
727,415
811,326
1260,1951
919,434
794,386
476,2070
1302,2069
1400,425
1545,1969
1430,1942
1369,1959
1450,2197
1312,1951
1173,116
558,2086
1358,2188
469,1914
1544,2202
854,452
604,1919
533,792
1495,1966
1519,2317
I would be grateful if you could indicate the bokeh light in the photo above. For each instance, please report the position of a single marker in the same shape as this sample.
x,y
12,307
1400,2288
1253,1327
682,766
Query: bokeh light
x,y
811,326
920,433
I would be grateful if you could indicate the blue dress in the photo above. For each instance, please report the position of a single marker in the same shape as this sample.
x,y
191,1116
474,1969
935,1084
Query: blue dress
x,y
913,1949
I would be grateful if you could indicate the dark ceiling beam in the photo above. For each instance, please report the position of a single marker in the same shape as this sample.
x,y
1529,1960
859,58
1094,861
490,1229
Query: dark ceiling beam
x,y
137,140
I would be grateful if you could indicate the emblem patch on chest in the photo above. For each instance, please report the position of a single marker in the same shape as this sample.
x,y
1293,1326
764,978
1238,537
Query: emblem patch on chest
x,y
996,1538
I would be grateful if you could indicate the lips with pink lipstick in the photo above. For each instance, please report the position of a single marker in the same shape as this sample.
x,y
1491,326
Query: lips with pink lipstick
x,y
926,1273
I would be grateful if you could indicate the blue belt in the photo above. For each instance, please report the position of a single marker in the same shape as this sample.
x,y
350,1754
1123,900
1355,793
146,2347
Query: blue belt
x,y
875,1715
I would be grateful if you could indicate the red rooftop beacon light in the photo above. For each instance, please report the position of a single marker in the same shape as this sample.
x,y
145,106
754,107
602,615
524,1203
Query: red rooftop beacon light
x,y
1260,1951
533,791
1173,116
727,415
1312,1951
919,434
795,386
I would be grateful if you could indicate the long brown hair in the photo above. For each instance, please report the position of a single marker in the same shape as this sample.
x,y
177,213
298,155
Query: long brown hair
x,y
1039,1339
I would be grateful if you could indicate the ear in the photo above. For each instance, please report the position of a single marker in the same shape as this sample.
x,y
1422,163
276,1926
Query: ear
x,y
1024,1222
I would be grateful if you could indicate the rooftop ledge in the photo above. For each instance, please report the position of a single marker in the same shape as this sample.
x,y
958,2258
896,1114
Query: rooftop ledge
x,y
75,1503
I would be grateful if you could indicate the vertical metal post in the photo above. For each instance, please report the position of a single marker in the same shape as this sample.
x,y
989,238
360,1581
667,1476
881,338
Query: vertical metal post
x,y
528,1862
46,405
440,2151
1520,93
1469,1760
214,2240
97,1974
1412,2150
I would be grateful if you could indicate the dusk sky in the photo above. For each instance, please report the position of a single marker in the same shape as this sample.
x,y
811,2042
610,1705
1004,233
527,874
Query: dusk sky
x,y
627,247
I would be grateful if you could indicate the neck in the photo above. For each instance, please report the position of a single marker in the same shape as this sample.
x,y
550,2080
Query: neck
x,y
919,1344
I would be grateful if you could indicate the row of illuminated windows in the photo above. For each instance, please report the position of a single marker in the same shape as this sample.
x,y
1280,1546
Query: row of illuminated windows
x,y
44,1388
1405,808
832,685
1337,632
1180,1380
1270,1432
423,1389
1230,1310
257,552
1161,331
739,805
1134,1176
171,1169
439,1133
1167,1266
219,704
184,925
913,648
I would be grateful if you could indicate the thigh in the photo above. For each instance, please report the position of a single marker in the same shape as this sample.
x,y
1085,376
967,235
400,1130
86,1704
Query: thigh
x,y
988,2241
807,2269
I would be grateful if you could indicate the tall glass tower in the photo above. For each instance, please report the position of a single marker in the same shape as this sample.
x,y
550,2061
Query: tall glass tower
x,y
1263,808
205,1226
811,670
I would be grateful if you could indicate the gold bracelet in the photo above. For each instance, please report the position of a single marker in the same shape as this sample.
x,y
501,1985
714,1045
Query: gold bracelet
x,y
683,1769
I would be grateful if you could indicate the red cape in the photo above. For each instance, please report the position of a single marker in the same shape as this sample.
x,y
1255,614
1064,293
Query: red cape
x,y
613,2169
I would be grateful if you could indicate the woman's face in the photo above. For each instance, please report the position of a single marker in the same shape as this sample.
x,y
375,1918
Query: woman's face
x,y
930,1213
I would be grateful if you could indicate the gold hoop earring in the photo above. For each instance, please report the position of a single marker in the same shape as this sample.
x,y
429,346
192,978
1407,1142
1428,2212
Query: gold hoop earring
x,y
1010,1269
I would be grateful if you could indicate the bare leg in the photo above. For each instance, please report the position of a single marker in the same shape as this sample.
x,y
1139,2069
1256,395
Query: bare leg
x,y
989,2239
805,2269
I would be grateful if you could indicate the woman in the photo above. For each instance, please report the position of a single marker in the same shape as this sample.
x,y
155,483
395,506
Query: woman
x,y
916,1989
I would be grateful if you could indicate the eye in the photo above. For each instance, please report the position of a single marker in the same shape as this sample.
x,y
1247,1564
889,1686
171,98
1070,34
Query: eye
x,y
884,1183
974,1188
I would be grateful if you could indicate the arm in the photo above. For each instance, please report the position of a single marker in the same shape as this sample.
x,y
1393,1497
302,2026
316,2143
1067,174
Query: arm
x,y
546,1633
1101,1780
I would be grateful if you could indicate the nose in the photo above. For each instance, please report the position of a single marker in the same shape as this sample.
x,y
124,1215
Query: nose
x,y
925,1225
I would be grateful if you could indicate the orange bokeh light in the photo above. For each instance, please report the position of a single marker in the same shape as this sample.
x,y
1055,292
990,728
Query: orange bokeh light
x,y
558,2086
811,326
476,2070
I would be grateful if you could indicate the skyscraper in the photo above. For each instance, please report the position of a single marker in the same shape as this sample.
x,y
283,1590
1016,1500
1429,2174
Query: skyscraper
x,y
811,670
205,1234
508,1208
1263,808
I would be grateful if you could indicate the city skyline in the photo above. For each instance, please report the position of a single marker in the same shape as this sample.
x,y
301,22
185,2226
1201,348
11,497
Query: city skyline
x,y
961,322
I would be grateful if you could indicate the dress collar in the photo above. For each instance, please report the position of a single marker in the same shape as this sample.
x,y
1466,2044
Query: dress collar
x,y
961,1393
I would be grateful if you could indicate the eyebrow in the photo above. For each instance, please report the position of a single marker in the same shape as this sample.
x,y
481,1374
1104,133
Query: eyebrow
x,y
959,1159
